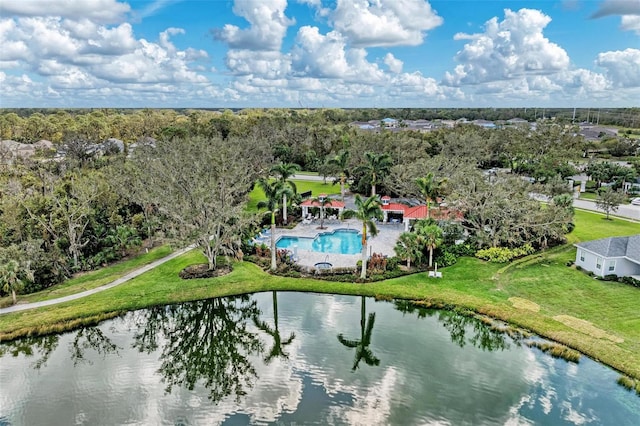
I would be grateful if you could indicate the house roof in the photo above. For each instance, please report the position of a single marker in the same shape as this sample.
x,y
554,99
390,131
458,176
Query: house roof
x,y
628,247
334,204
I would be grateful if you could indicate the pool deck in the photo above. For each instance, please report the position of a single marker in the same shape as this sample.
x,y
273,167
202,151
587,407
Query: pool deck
x,y
383,243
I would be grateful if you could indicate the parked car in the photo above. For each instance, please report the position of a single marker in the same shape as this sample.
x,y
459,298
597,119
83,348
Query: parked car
x,y
635,201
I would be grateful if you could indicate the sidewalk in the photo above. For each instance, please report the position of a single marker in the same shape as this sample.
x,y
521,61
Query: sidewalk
x,y
129,276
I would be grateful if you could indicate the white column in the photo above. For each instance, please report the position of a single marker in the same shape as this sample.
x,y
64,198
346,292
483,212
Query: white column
x,y
406,224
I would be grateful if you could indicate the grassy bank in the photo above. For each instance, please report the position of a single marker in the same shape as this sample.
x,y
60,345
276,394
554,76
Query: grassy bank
x,y
93,279
541,293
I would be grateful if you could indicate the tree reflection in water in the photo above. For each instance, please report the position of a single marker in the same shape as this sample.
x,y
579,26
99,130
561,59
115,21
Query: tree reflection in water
x,y
41,347
363,352
483,336
277,350
205,342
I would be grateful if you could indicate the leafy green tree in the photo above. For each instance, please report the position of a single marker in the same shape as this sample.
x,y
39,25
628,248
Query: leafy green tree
x,y
201,187
341,162
409,247
366,210
363,352
284,171
375,169
431,187
609,200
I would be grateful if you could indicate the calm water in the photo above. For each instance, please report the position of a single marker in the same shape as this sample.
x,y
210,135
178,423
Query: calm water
x,y
343,241
291,359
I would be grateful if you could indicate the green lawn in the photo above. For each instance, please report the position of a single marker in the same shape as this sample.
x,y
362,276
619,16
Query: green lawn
x,y
547,287
315,187
591,226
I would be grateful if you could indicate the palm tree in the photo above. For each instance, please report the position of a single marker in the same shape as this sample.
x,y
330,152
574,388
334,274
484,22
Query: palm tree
x,y
273,190
362,346
278,344
409,247
365,211
323,202
11,277
284,171
431,187
341,161
431,236
376,168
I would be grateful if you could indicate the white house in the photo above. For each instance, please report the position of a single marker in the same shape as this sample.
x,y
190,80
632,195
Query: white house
x,y
611,256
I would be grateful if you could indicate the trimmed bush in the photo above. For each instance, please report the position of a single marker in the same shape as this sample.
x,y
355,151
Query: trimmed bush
x,y
503,254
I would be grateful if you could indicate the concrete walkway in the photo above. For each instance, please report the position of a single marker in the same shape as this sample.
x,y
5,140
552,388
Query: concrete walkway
x,y
129,276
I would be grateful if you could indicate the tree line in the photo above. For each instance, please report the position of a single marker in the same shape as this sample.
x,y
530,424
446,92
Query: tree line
x,y
189,177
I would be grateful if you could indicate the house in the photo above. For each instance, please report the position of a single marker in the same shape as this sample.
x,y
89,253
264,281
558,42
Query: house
x,y
398,212
611,256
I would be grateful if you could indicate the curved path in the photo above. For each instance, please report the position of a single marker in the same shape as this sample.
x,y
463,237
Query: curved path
x,y
127,277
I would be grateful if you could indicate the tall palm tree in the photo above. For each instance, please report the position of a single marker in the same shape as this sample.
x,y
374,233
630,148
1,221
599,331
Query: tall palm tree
x,y
284,171
431,236
278,344
431,187
376,168
363,352
341,161
323,202
409,247
366,211
273,190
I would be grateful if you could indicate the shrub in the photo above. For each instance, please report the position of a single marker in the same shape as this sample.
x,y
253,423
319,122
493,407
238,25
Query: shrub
x,y
570,263
393,263
578,268
503,254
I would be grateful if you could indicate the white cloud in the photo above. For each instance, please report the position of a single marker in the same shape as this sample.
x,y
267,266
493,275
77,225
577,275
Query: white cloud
x,y
269,64
368,23
508,49
617,7
623,66
327,56
268,25
394,64
631,23
103,11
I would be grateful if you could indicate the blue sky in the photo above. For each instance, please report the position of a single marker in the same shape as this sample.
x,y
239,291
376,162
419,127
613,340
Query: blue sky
x,y
319,53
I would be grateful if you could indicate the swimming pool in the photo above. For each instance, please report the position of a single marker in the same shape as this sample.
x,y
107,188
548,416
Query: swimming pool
x,y
340,241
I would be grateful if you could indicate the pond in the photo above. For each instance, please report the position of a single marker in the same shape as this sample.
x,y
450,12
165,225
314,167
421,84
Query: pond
x,y
296,358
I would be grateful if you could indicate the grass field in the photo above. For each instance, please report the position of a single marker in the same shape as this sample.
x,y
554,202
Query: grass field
x,y
539,293
316,187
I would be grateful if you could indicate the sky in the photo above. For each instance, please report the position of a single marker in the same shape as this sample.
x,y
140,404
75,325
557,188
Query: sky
x,y
319,53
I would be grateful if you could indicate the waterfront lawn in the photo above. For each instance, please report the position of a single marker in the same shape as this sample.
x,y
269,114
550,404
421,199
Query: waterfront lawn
x,y
556,297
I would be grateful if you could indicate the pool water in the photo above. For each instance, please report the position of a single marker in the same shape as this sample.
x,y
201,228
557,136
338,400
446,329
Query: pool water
x,y
340,241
